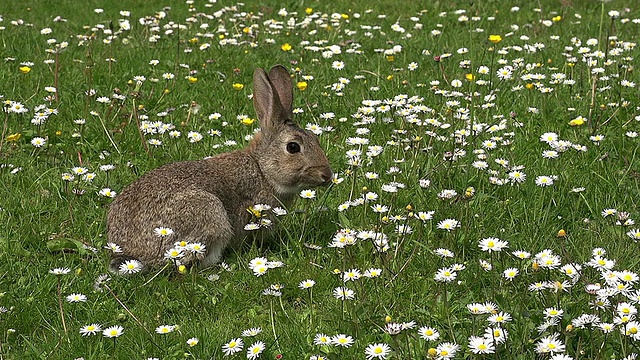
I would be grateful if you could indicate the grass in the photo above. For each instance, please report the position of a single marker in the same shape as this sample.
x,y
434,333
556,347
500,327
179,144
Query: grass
x,y
443,123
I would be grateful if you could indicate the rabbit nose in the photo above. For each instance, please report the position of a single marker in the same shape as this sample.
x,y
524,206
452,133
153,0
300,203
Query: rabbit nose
x,y
326,175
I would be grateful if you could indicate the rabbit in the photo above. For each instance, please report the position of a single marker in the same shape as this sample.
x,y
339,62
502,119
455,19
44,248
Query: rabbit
x,y
206,201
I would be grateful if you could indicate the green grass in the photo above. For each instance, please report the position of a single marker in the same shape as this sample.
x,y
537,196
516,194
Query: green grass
x,y
48,223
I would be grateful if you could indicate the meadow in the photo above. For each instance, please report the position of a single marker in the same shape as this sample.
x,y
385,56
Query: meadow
x,y
483,206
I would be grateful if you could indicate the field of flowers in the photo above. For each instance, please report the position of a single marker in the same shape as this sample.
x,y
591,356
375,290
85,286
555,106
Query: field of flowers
x,y
484,201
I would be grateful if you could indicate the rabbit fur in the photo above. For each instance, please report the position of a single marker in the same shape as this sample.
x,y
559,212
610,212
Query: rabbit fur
x,y
206,201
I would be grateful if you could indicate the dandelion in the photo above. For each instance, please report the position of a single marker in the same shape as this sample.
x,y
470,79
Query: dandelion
x,y
377,351
113,331
233,346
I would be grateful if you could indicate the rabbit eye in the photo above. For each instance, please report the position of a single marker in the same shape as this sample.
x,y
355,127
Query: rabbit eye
x,y
293,147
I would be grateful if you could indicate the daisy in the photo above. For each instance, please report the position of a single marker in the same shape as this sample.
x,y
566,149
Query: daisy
x,y
130,267
342,340
481,345
510,273
550,344
193,341
321,339
173,254
544,180
73,298
254,351
372,273
351,275
308,194
337,65
60,271
106,192
377,351
492,244
448,224
497,334
447,350
113,247
343,293
38,142
499,318
252,332
163,231
233,346
429,333
113,331
306,284
90,329
164,329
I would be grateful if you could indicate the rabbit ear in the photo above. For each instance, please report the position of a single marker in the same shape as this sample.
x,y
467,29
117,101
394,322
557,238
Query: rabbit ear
x,y
266,101
263,97
281,81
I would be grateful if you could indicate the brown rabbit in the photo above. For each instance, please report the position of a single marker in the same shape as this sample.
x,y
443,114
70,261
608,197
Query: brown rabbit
x,y
206,201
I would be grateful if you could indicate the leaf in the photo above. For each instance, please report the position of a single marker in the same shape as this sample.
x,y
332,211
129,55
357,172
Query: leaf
x,y
345,223
14,248
64,245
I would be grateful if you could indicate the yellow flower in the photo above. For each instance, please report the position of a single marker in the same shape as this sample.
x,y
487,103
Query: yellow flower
x,y
390,58
308,11
246,30
192,79
577,121
389,77
194,40
221,36
344,16
302,85
556,18
495,38
14,137
285,47
247,121
182,269
238,86
432,353
562,233
25,69
529,86
470,77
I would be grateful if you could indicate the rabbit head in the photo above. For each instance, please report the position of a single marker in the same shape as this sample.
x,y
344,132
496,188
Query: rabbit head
x,y
289,157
